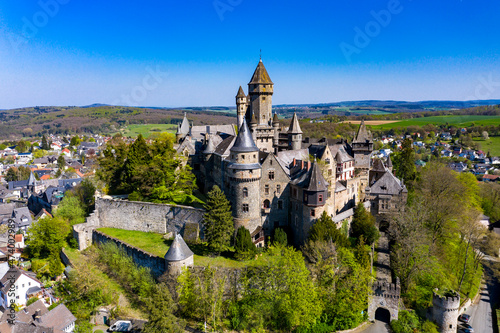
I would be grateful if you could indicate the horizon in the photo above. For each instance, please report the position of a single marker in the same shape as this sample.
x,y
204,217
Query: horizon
x,y
174,55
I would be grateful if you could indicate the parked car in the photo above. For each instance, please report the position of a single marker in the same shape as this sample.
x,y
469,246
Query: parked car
x,y
121,326
464,318
463,325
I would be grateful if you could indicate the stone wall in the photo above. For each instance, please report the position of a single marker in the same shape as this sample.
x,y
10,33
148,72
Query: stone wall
x,y
145,216
140,257
445,310
384,295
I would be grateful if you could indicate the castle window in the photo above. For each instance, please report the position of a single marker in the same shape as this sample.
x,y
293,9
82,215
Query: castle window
x,y
313,213
271,175
280,204
245,208
264,97
267,204
245,192
320,197
270,162
254,155
242,157
278,189
266,189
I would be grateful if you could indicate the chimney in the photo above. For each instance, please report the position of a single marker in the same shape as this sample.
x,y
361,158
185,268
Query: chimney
x,y
294,162
308,165
38,317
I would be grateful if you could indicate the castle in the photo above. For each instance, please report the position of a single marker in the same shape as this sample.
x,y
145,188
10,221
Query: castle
x,y
274,177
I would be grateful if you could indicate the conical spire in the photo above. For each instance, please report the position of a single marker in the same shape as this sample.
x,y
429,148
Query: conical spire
x,y
184,128
363,134
210,146
31,179
389,162
178,250
260,75
253,121
244,142
275,118
316,181
241,93
294,125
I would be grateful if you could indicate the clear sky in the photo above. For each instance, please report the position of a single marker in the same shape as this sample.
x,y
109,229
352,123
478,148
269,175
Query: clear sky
x,y
196,53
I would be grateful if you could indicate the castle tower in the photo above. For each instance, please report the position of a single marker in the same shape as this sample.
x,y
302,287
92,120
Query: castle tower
x,y
362,147
244,175
178,255
31,182
182,129
294,134
241,106
445,306
260,89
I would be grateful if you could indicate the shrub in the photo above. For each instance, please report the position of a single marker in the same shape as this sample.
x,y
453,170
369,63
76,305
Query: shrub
x,y
243,243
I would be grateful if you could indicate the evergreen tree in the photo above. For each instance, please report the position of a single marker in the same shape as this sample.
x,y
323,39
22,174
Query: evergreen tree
x,y
325,230
404,162
61,162
243,243
280,237
363,225
160,308
218,221
45,143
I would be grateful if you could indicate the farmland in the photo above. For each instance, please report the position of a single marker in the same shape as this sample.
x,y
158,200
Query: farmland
x,y
457,121
492,145
148,129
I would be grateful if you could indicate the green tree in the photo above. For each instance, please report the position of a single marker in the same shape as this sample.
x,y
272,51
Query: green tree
x,y
45,143
47,236
19,173
404,162
243,243
71,210
61,162
75,141
325,229
218,221
363,224
85,192
280,237
22,146
161,308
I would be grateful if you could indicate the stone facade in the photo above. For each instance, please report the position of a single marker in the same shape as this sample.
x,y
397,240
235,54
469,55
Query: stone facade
x,y
384,295
445,310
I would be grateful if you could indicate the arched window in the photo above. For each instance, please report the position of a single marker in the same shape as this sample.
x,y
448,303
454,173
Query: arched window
x,y
267,204
245,192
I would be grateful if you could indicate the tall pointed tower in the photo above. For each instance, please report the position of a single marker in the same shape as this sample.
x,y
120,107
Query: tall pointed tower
x,y
260,89
362,147
241,106
182,129
294,134
244,175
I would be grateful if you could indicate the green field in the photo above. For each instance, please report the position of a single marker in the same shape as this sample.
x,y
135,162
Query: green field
x,y
157,245
148,129
458,121
492,145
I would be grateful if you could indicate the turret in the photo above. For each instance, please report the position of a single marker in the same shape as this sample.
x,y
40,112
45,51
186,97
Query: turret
x,y
260,90
445,306
253,127
182,129
241,106
244,174
389,163
362,147
294,134
178,255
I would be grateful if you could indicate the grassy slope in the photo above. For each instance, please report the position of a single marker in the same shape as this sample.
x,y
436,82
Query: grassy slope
x,y
147,129
492,145
459,121
157,245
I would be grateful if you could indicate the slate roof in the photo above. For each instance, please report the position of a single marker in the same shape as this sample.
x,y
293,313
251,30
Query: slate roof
x,y
344,155
178,250
275,118
224,147
183,128
244,142
316,180
294,125
31,179
389,162
378,166
287,156
260,75
317,150
388,184
210,148
13,273
363,134
241,93
58,318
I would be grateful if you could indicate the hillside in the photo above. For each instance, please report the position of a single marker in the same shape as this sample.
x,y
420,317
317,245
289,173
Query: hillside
x,y
35,121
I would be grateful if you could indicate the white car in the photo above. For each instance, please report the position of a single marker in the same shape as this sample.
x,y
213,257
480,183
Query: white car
x,y
121,326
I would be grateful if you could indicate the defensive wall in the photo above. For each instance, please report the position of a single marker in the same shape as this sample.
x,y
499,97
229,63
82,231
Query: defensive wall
x,y
138,216
384,295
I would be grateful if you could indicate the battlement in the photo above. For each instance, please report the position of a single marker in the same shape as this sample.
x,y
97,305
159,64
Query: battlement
x,y
386,289
448,300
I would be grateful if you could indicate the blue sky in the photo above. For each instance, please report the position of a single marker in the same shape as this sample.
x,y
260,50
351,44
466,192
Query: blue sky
x,y
197,53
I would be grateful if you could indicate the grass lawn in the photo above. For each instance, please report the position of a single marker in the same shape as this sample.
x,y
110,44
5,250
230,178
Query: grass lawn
x,y
157,245
148,129
492,145
459,121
